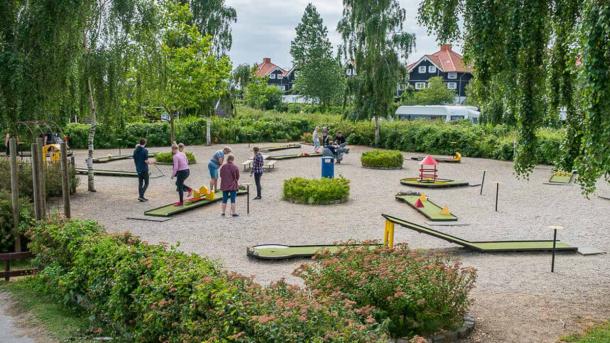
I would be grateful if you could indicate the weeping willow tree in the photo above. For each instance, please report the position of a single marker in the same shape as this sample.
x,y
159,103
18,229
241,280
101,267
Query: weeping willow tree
x,y
374,40
531,58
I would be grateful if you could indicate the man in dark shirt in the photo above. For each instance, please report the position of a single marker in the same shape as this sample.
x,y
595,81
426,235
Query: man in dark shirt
x,y
140,158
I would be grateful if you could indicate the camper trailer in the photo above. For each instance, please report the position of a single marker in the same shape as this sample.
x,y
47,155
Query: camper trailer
x,y
438,112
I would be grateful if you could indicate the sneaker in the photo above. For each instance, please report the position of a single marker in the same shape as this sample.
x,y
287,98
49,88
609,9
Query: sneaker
x,y
143,198
189,193
178,203
235,215
257,198
140,199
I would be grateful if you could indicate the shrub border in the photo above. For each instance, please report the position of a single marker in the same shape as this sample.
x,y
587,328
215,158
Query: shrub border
x,y
382,168
333,202
453,336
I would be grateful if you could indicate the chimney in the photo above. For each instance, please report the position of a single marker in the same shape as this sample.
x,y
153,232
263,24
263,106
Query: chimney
x,y
446,47
266,60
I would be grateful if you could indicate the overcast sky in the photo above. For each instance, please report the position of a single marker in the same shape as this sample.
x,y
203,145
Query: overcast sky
x,y
265,28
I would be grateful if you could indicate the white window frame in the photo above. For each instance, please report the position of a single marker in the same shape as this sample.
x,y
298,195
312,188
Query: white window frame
x,y
452,75
420,85
452,85
279,76
422,69
431,69
272,76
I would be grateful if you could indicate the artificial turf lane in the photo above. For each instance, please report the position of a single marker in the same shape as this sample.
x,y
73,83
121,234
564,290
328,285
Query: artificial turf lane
x,y
439,183
290,156
438,159
430,210
280,147
103,172
561,178
111,158
171,209
280,252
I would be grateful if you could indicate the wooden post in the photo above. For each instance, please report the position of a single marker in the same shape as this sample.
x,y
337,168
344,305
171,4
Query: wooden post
x,y
15,191
42,167
65,186
248,199
482,182
497,192
554,247
35,183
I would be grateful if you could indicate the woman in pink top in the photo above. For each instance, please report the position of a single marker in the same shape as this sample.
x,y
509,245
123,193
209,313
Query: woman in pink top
x,y
181,173
229,184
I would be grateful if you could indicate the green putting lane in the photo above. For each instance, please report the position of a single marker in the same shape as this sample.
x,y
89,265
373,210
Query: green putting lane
x,y
290,156
171,209
430,210
561,178
280,147
103,172
438,159
107,159
439,183
281,252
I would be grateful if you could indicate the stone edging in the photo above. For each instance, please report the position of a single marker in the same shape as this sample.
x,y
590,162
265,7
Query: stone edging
x,y
450,336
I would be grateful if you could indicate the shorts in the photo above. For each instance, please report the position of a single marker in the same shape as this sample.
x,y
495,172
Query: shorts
x,y
213,168
227,194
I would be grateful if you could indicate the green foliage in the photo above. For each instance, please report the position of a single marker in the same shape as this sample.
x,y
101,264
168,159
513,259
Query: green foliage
x,y
167,157
242,75
261,95
24,173
437,93
144,293
383,159
316,191
26,220
600,333
418,293
214,18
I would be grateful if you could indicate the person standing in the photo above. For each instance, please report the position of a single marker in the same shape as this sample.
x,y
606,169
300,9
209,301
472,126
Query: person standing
x,y
215,162
229,184
181,172
316,140
258,163
325,137
140,159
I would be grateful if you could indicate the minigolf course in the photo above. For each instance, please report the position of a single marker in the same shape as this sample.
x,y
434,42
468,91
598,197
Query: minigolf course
x,y
111,158
105,172
561,178
428,176
480,246
283,252
200,198
291,156
456,158
280,147
425,206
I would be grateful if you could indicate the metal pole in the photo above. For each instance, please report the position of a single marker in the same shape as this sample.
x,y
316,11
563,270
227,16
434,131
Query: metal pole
x,y
482,182
42,161
15,191
208,131
554,247
65,187
497,192
35,183
248,199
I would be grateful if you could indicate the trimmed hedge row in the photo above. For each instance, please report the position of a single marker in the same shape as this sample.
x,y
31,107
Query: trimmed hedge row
x,y
382,159
168,158
316,191
250,125
146,293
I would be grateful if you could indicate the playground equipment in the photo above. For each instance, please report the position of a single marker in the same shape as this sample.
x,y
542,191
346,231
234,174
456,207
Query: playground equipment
x,y
456,158
291,156
480,246
561,177
425,206
280,147
201,197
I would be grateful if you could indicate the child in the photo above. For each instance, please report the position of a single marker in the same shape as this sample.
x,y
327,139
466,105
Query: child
x,y
257,170
181,173
229,184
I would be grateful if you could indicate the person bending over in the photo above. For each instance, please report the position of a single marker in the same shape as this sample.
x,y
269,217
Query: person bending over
x,y
215,162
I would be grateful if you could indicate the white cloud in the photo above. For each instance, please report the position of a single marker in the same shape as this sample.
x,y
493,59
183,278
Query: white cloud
x,y
266,28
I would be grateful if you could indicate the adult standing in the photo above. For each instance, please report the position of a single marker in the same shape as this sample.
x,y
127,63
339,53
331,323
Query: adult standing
x,y
140,159
339,138
215,162
181,172
229,184
325,137
316,139
258,163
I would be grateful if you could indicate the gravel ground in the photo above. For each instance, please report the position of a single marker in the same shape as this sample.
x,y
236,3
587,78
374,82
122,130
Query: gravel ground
x,y
517,299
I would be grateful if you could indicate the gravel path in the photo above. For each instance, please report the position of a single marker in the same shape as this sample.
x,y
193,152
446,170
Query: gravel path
x,y
517,299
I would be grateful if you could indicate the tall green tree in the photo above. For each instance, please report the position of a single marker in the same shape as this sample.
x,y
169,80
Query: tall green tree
x,y
374,40
320,75
213,18
518,45
242,75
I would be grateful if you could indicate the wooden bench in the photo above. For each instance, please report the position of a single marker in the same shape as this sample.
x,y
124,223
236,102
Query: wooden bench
x,y
268,166
15,256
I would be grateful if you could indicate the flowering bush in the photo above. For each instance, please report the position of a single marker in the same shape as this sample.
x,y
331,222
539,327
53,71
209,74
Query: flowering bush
x,y
414,293
148,293
167,157
382,159
316,191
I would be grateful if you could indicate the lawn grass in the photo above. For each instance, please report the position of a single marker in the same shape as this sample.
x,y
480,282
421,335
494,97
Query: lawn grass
x,y
595,334
62,323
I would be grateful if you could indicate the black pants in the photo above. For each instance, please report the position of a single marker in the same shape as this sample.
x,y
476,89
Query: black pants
x,y
142,183
181,176
257,180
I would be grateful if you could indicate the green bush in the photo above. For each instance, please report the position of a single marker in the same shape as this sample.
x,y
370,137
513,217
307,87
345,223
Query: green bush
x,y
146,293
418,294
53,179
382,159
7,239
316,191
167,157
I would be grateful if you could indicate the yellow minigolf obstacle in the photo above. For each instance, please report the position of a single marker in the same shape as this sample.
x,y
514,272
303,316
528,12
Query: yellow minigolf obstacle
x,y
210,196
457,156
445,211
423,197
388,234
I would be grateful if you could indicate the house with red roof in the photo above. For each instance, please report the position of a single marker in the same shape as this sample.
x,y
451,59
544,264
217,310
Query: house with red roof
x,y
276,76
445,63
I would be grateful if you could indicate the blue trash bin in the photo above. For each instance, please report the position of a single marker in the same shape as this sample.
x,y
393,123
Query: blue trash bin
x,y
328,167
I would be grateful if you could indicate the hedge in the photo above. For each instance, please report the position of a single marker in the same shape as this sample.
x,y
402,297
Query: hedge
x,y
53,179
316,191
433,137
382,159
167,157
138,292
26,219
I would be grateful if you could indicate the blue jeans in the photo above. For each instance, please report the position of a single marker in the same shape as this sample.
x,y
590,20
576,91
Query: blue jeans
x,y
227,194
213,168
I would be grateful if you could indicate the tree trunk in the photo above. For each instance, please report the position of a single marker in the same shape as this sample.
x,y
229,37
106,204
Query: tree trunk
x,y
208,131
172,129
90,139
377,129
